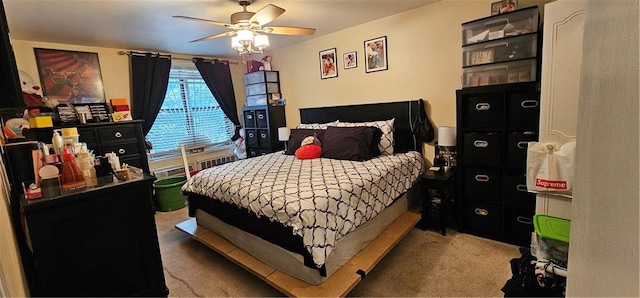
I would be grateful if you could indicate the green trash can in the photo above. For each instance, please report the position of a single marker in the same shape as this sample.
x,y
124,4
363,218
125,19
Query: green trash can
x,y
168,193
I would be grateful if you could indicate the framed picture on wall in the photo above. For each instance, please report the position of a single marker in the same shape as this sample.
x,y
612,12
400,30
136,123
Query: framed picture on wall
x,y
328,67
350,60
375,54
70,76
503,6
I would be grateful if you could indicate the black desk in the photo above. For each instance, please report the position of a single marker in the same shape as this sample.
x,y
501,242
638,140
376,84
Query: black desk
x,y
437,191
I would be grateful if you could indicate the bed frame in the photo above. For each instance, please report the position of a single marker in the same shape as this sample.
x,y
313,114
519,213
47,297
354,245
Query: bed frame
x,y
341,282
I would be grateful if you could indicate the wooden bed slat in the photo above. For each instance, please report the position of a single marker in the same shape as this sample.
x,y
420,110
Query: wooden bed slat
x,y
339,284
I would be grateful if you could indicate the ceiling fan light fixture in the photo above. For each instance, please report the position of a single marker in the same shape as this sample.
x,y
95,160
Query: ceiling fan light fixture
x,y
261,41
245,35
235,43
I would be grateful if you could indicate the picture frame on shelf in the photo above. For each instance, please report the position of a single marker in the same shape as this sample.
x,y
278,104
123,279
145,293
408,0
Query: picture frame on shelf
x,y
328,63
70,76
375,54
503,6
350,60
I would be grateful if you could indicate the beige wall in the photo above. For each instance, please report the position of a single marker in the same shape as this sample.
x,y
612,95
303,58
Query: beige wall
x,y
424,59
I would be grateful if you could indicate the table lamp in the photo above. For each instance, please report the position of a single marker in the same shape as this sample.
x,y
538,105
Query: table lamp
x,y
283,135
447,145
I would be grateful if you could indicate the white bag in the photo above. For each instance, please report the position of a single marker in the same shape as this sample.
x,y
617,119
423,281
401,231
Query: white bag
x,y
550,168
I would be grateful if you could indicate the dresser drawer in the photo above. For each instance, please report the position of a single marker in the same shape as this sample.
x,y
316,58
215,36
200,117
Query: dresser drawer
x,y
252,137
261,119
517,143
264,138
122,149
482,217
484,111
518,225
523,111
483,183
482,149
260,77
262,88
515,191
121,132
515,23
249,118
502,50
500,73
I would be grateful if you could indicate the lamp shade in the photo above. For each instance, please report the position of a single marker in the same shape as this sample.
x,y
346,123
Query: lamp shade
x,y
245,35
261,41
284,133
446,136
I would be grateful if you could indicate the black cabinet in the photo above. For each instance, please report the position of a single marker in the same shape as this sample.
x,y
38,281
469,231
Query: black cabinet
x,y
261,129
494,126
98,242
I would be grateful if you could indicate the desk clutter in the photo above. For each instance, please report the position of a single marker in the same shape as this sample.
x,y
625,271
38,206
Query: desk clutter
x,y
63,115
65,165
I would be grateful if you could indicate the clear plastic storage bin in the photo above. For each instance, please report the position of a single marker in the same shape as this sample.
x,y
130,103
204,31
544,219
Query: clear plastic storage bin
x,y
515,23
520,47
500,73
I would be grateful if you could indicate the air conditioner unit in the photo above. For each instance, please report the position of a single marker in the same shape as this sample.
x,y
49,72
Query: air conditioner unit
x,y
215,161
172,171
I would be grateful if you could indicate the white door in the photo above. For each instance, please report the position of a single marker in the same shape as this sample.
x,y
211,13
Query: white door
x,y
560,90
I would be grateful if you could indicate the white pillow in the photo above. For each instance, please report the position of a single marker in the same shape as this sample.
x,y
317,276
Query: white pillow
x,y
386,141
317,125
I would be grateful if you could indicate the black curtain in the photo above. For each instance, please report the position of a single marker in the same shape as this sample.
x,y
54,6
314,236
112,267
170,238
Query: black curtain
x,y
217,75
149,82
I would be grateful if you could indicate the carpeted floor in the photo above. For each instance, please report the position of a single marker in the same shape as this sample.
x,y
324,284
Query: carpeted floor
x,y
423,264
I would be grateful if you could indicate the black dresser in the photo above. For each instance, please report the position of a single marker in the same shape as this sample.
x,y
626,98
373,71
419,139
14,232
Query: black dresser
x,y
122,138
98,242
261,129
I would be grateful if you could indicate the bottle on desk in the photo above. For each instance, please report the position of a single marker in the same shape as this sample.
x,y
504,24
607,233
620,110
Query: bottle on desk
x,y
72,178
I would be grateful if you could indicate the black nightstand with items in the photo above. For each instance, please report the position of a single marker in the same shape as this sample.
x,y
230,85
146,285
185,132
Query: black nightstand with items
x,y
437,195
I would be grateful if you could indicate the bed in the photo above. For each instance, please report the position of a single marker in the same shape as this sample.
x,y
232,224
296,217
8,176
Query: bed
x,y
313,227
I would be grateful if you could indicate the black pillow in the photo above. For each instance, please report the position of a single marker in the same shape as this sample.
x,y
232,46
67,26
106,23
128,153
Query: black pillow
x,y
298,134
351,143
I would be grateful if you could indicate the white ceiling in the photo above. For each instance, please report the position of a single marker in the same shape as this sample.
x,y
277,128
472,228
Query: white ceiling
x,y
148,24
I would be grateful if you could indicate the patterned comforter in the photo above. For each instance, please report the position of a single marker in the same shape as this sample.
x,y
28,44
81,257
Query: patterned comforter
x,y
320,199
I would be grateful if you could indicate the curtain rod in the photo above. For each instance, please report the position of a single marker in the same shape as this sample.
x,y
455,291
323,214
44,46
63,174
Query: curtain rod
x,y
129,53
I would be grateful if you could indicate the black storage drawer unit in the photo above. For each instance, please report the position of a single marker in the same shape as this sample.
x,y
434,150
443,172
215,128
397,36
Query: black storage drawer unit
x,y
252,137
261,125
515,191
483,183
492,142
482,149
482,217
523,111
517,143
519,225
261,119
249,118
484,111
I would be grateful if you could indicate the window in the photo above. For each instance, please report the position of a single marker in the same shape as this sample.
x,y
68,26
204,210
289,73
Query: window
x,y
189,115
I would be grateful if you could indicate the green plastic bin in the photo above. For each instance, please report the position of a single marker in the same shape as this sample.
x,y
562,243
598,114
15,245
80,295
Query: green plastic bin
x,y
168,193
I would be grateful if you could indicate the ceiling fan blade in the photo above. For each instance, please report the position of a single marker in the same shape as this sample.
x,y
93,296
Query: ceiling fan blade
x,y
229,33
289,30
266,14
203,20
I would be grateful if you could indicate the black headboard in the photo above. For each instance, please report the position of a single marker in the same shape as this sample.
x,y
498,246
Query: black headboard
x,y
404,112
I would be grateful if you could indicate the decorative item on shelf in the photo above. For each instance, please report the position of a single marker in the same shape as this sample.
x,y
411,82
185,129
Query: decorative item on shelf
x,y
447,146
253,66
266,63
121,116
503,6
283,135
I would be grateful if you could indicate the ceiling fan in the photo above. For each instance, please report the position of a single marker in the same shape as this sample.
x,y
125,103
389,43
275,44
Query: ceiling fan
x,y
252,21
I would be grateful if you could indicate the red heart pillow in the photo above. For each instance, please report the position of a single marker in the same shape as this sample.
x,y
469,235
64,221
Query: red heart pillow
x,y
309,152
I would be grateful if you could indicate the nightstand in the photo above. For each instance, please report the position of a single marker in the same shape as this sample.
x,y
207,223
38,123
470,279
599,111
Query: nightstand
x,y
437,192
